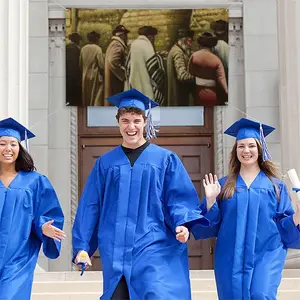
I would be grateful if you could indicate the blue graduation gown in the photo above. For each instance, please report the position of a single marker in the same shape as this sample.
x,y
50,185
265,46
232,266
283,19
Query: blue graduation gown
x,y
25,206
253,233
130,214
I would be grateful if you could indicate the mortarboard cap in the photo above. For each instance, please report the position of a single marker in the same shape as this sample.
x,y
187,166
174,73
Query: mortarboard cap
x,y
12,128
245,128
134,98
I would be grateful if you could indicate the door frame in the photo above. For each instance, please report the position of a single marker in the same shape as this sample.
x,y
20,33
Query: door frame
x,y
107,134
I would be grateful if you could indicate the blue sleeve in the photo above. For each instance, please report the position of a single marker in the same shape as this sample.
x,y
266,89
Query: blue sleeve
x,y
85,228
180,196
290,233
48,209
214,219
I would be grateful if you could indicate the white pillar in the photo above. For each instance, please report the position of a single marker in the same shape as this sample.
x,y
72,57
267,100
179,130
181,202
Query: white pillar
x,y
14,60
289,57
3,59
262,68
13,57
289,96
24,63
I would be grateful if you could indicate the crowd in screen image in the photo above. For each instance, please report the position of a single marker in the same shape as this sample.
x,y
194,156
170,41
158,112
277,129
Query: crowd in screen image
x,y
188,68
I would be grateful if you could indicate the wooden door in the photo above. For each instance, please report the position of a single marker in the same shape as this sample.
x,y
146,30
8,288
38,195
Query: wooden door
x,y
194,146
195,156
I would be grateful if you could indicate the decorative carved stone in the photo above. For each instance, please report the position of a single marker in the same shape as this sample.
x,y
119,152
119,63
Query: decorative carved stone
x,y
74,163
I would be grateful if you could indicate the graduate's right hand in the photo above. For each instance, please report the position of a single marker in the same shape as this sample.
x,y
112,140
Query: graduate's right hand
x,y
79,259
212,189
182,234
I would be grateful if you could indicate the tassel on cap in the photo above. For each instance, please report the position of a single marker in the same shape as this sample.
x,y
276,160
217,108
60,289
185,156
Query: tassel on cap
x,y
151,129
266,156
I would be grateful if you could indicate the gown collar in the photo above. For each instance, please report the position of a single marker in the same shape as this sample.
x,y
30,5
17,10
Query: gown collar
x,y
142,159
256,183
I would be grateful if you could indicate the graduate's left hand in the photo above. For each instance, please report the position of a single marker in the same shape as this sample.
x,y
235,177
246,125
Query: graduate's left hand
x,y
53,232
182,234
296,216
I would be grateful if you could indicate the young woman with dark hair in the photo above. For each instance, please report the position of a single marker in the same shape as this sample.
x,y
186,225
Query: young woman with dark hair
x,y
30,214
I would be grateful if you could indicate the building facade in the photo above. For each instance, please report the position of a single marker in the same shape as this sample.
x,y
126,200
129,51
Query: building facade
x,y
264,69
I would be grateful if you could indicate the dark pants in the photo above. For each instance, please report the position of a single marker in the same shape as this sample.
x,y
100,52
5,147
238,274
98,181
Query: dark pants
x,y
121,291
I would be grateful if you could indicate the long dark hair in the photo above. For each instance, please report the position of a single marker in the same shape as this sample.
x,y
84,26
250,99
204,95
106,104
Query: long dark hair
x,y
24,161
268,167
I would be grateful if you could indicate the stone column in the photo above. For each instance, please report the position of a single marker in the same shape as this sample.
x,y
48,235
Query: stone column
x,y
14,59
289,58
262,68
3,59
289,94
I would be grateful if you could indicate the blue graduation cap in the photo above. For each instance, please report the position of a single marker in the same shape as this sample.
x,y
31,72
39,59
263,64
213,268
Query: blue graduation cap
x,y
12,128
245,128
134,98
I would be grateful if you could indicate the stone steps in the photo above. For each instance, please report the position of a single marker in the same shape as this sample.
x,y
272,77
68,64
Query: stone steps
x,y
71,286
96,286
207,295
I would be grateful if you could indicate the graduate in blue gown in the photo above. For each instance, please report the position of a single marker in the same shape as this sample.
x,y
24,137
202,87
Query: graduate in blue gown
x,y
136,206
30,214
253,218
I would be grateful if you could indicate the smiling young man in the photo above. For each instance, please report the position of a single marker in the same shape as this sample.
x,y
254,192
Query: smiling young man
x,y
135,208
131,123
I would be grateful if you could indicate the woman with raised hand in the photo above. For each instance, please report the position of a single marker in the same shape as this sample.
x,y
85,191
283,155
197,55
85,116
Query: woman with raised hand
x,y
252,216
30,214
